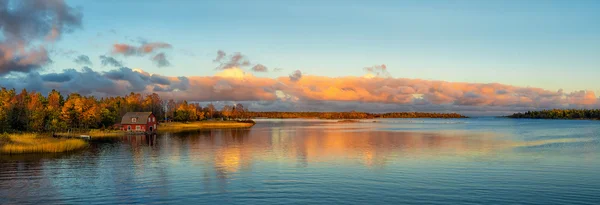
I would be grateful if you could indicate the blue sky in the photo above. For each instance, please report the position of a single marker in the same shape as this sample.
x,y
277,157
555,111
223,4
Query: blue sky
x,y
547,44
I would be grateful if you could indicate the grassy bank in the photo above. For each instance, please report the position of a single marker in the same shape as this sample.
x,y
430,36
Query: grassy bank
x,y
94,133
187,126
348,121
34,143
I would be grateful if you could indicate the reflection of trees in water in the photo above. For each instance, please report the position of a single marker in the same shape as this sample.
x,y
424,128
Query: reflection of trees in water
x,y
141,140
234,150
376,148
219,153
224,150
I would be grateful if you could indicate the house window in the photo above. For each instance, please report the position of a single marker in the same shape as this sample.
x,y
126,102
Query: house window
x,y
153,119
138,127
128,127
133,119
149,119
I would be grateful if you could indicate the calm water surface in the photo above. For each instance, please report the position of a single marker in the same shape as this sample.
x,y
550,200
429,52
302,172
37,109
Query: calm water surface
x,y
393,161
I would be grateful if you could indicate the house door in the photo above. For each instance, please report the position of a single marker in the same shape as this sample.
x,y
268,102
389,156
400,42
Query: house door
x,y
151,128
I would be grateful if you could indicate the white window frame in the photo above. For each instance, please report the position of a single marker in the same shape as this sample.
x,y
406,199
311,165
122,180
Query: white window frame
x,y
138,127
133,119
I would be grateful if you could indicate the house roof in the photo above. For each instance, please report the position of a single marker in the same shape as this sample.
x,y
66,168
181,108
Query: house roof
x,y
141,118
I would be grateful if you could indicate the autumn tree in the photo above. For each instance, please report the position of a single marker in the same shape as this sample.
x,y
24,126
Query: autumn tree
x,y
170,109
227,111
134,102
53,111
36,113
90,112
210,111
154,104
238,111
7,102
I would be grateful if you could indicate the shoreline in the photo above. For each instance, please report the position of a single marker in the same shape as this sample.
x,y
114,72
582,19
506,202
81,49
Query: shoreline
x,y
199,125
163,127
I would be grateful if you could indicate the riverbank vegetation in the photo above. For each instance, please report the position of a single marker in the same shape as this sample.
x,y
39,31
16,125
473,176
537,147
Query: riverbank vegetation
x,y
33,112
188,126
95,133
350,115
579,114
34,143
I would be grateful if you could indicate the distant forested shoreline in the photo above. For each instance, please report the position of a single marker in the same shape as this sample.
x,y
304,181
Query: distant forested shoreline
x,y
571,114
351,115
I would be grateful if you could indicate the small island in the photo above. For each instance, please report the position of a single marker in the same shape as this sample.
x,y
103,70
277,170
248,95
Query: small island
x,y
567,114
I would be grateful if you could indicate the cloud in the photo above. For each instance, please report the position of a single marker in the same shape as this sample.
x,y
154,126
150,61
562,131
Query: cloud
x,y
138,81
85,81
110,61
311,93
295,76
11,61
124,49
83,60
220,55
145,48
28,27
141,50
236,61
160,80
260,68
377,71
161,60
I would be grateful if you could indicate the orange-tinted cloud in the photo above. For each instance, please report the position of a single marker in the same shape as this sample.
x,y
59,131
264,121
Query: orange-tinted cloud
x,y
145,48
309,90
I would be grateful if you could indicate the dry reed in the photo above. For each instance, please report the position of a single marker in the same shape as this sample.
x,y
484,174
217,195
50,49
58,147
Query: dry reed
x,y
33,143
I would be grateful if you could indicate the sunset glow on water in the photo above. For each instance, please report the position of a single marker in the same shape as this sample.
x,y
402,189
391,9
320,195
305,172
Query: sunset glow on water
x,y
282,161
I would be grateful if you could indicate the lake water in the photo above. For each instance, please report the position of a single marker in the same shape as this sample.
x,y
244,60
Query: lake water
x,y
393,161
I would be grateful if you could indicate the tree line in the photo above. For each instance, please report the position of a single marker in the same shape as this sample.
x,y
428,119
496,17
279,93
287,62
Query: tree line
x,y
351,115
34,112
590,114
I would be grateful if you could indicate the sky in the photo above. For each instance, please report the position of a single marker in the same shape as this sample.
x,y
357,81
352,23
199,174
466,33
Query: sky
x,y
418,54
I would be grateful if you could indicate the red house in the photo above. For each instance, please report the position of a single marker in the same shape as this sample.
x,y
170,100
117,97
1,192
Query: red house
x,y
139,122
